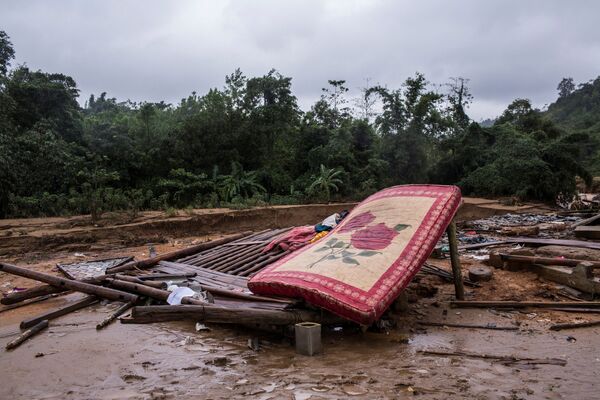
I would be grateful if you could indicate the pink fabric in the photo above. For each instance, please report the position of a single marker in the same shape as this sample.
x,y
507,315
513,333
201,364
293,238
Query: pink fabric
x,y
293,240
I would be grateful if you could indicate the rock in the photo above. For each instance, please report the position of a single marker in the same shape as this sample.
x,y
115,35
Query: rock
x,y
480,274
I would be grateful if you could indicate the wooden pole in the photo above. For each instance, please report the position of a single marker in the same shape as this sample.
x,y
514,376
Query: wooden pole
x,y
29,322
455,261
36,291
135,279
88,288
166,276
106,321
224,315
27,334
157,294
149,262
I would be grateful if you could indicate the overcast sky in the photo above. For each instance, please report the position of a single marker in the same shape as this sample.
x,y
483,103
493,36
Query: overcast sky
x,y
164,50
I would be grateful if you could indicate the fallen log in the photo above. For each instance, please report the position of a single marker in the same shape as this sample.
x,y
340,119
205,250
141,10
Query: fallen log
x,y
502,359
149,262
29,322
559,327
523,304
27,334
106,293
452,325
224,315
118,312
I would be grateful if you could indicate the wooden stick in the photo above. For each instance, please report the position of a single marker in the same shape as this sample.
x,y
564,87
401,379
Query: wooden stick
x,y
455,261
29,322
149,262
452,325
524,304
559,327
503,359
27,334
106,321
78,286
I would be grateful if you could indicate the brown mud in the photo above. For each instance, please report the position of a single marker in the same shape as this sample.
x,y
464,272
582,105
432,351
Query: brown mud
x,y
71,360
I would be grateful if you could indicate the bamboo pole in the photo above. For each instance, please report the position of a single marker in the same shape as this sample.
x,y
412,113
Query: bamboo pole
x,y
78,286
257,267
29,322
455,261
149,262
27,334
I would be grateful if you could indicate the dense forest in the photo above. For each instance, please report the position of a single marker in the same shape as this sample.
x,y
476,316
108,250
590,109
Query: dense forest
x,y
248,143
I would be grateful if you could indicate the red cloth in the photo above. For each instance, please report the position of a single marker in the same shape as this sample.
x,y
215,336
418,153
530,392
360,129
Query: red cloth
x,y
293,240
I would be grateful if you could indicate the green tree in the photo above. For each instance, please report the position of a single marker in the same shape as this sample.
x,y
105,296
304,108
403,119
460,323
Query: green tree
x,y
326,181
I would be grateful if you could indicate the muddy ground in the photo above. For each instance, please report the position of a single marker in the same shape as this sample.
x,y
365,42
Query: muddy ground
x,y
71,360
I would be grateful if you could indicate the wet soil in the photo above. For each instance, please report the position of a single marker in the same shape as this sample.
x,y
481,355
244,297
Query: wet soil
x,y
71,360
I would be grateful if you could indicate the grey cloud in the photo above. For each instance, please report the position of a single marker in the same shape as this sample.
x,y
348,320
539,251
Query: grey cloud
x,y
160,50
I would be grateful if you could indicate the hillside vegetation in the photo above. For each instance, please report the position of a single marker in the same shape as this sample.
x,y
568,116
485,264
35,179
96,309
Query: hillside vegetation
x,y
248,143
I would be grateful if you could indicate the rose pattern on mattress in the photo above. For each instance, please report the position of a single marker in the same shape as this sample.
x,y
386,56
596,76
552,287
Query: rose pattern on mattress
x,y
368,239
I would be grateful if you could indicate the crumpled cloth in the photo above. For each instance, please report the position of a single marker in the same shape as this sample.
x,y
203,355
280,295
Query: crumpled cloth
x,y
178,294
293,240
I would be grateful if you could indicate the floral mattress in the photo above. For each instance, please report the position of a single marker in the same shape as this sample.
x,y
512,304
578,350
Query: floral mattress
x,y
360,268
